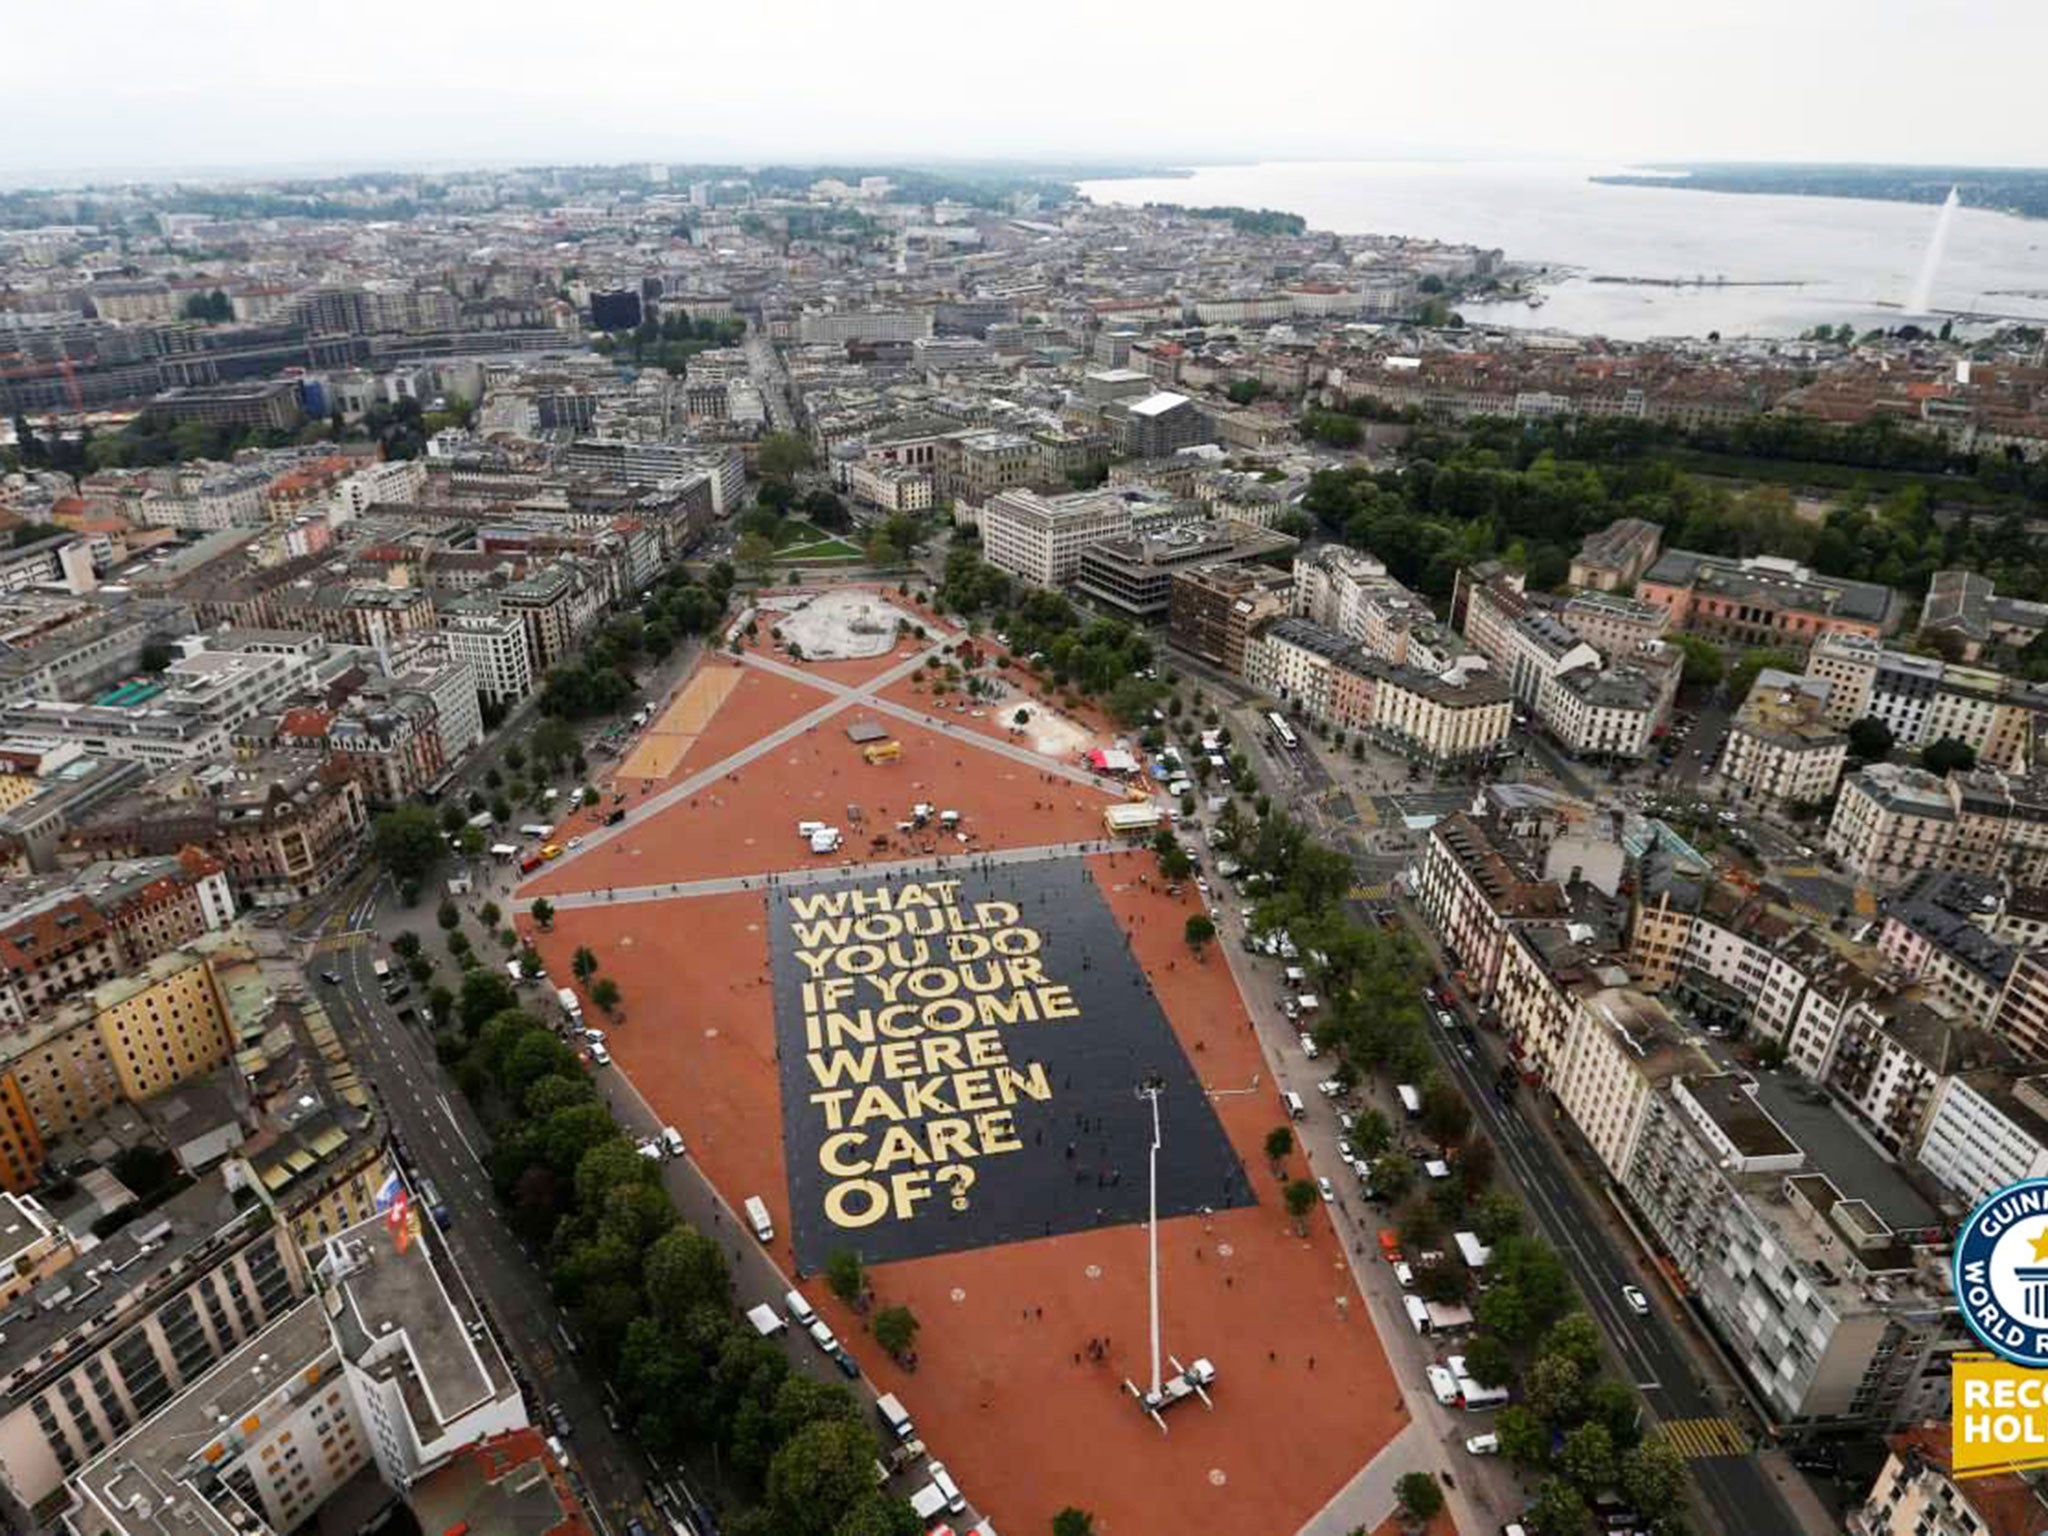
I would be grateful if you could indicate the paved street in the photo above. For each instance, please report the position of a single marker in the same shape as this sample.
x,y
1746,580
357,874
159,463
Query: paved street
x,y
445,1143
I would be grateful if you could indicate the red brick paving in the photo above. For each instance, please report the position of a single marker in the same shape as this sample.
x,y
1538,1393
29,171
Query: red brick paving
x,y
749,826
999,1395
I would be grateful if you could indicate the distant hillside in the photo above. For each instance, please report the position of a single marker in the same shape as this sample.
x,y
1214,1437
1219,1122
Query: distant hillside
x,y
2004,190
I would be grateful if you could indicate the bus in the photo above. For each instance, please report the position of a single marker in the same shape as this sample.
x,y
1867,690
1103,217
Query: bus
x,y
1282,731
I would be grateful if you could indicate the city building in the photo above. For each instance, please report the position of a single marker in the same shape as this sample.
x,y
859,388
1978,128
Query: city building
x,y
1039,539
1764,600
1816,1263
1134,576
1781,746
1616,557
1213,610
1918,1493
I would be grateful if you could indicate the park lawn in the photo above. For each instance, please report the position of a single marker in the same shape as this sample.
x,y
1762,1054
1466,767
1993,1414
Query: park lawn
x,y
823,549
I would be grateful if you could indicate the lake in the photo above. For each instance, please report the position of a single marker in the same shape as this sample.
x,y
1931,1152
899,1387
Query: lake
x,y
1851,258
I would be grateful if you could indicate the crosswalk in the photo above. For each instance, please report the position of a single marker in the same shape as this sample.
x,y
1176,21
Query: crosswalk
x,y
335,942
1378,891
1699,1439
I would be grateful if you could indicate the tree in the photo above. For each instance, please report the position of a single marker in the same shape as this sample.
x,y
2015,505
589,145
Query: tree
x,y
1392,1176
605,993
1073,1522
448,915
1523,1439
1445,1114
1556,1390
896,1330
755,555
824,1468
441,1004
583,963
1653,1476
685,1270
1870,739
1947,756
1496,1215
543,912
1419,1495
1279,1145
843,1272
407,842
1574,1337
1199,931
1372,1134
407,944
529,961
1557,1510
782,456
1587,1458
1704,664
1488,1362
1301,1198
485,995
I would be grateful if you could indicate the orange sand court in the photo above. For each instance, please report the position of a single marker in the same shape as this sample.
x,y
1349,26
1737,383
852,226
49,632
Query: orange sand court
x,y
665,742
1006,1392
745,824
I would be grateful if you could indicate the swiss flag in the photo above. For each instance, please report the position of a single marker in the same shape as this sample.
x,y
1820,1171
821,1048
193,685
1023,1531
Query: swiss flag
x,y
397,1218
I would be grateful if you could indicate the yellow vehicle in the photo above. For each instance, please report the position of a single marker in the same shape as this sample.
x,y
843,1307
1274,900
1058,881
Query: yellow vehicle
x,y
883,752
551,850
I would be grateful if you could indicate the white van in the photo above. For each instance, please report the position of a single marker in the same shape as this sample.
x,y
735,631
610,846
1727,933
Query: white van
x,y
1411,1101
671,1141
893,1413
757,1215
1473,1395
1418,1313
798,1309
1443,1385
956,1501
1295,1108
599,1054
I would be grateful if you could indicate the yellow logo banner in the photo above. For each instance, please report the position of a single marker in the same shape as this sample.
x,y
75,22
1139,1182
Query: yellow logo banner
x,y
2000,1417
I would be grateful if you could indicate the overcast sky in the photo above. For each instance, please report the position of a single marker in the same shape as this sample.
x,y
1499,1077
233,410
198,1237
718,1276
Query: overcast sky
x,y
179,85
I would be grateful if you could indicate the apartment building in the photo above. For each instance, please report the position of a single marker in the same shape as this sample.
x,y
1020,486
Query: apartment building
x,y
64,934
977,465
1293,660
1039,539
493,643
1967,605
1610,715
130,1038
1917,1493
1614,559
1615,625
1763,600
1892,821
175,1291
544,601
1212,610
1923,699
1932,934
1447,719
1985,1129
392,745
388,1368
1816,1263
1476,884
1782,747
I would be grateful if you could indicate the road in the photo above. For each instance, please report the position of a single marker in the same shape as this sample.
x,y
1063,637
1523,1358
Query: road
x,y
765,368
446,1142
1741,1495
